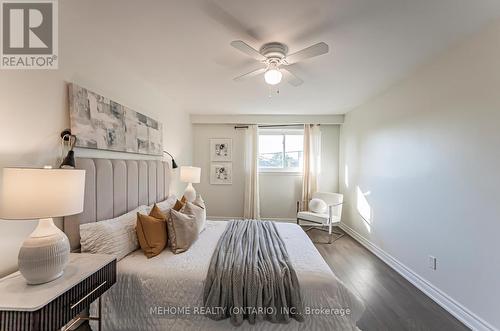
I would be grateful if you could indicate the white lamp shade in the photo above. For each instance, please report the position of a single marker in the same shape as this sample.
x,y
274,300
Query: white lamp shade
x,y
190,174
41,193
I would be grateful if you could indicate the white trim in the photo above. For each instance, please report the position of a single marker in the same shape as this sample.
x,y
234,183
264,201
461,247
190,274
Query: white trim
x,y
463,314
276,219
276,131
266,119
224,218
280,219
279,172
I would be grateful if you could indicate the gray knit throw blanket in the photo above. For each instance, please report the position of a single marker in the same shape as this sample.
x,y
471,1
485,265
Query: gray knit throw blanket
x,y
251,277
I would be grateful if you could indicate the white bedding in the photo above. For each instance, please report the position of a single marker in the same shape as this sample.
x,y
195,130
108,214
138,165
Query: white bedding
x,y
170,283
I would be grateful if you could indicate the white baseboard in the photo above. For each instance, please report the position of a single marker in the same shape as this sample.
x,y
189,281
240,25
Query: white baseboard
x,y
463,314
276,219
280,219
223,218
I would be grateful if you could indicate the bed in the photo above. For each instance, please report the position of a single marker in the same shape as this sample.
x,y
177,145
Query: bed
x,y
166,292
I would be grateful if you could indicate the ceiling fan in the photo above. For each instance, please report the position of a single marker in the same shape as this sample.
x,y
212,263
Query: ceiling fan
x,y
275,59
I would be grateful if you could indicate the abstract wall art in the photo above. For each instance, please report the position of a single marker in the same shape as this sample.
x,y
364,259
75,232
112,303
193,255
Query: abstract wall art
x,y
101,123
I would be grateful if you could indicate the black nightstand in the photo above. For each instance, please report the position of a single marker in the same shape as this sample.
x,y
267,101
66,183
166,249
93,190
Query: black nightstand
x,y
52,305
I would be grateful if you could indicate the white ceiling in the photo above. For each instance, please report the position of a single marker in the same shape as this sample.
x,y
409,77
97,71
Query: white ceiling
x,y
182,47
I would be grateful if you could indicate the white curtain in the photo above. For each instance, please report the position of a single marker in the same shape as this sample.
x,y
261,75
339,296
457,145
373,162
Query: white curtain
x,y
252,206
312,160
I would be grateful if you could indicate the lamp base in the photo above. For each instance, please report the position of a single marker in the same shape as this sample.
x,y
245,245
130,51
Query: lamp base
x,y
190,193
44,254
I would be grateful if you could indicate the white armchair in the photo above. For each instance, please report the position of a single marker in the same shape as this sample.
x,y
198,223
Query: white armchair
x,y
332,217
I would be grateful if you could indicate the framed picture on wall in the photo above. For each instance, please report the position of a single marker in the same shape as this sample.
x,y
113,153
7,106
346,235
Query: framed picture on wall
x,y
221,174
221,150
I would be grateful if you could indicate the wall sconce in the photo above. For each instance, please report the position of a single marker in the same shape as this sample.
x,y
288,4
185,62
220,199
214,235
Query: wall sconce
x,y
68,139
174,165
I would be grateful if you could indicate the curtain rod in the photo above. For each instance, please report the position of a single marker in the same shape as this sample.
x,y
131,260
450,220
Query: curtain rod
x,y
267,126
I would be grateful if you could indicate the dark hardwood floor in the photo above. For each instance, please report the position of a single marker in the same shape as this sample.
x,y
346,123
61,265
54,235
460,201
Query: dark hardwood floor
x,y
392,303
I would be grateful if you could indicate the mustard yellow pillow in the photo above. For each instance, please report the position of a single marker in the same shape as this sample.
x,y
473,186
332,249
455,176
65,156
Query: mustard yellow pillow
x,y
152,234
178,205
157,213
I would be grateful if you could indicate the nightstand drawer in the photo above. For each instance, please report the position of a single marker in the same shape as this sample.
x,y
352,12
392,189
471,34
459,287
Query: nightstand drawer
x,y
91,288
63,308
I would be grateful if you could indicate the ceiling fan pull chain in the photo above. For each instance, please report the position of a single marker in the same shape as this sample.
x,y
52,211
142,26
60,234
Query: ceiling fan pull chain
x,y
274,90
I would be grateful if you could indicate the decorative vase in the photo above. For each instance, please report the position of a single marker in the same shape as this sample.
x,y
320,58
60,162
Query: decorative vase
x,y
44,254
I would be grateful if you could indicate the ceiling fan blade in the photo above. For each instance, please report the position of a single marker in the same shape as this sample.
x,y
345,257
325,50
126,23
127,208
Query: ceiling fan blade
x,y
233,24
250,74
311,30
248,50
290,77
311,51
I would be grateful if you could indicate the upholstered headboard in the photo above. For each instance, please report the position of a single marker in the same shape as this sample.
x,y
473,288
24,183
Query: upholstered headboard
x,y
114,187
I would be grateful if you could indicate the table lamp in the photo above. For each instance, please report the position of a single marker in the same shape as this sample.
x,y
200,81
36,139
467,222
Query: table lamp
x,y
190,175
42,194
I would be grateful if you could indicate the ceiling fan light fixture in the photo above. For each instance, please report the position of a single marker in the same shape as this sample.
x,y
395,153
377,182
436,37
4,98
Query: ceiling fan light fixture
x,y
273,76
275,54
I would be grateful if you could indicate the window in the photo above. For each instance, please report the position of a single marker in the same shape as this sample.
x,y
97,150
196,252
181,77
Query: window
x,y
281,150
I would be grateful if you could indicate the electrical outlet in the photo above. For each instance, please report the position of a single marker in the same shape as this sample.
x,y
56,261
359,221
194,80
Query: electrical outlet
x,y
432,262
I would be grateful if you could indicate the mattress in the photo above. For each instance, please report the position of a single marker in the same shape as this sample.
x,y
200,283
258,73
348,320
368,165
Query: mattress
x,y
166,291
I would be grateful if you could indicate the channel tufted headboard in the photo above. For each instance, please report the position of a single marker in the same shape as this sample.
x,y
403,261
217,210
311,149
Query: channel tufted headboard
x,y
114,187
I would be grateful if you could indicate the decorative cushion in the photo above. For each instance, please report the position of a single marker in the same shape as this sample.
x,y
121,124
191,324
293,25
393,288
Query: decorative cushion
x,y
182,231
116,236
152,233
198,213
157,213
318,206
199,202
166,204
178,205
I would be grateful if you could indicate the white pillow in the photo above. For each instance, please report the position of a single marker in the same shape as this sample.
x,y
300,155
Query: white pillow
x,y
114,236
167,204
318,206
197,209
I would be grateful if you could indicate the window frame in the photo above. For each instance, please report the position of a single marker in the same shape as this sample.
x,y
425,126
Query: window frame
x,y
281,132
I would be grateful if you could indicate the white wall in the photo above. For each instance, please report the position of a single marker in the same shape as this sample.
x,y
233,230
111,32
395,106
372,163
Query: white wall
x,y
278,191
34,104
330,144
221,200
279,194
423,164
